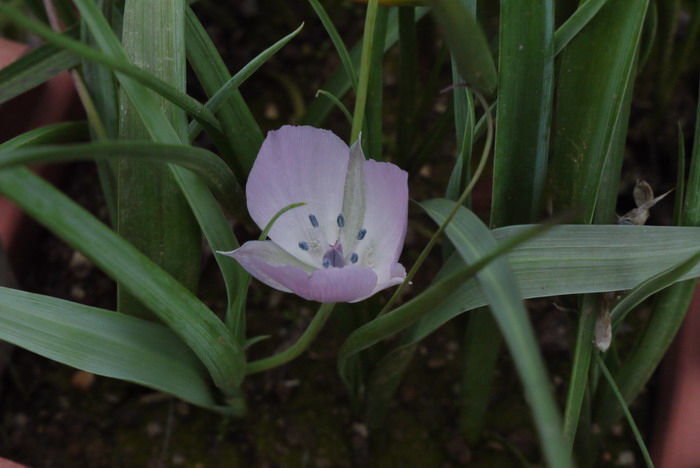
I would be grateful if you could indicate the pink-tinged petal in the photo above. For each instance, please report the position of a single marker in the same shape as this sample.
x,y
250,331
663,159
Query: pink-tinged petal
x,y
273,266
299,164
258,257
386,216
398,274
347,284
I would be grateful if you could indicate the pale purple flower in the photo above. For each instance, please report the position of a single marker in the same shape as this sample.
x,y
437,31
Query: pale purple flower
x,y
344,244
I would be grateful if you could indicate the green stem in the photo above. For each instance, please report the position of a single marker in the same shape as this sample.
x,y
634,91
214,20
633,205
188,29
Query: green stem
x,y
367,41
628,415
579,372
433,240
324,312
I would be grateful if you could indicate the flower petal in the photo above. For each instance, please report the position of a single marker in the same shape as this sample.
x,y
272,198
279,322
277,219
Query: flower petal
x,y
270,264
299,164
386,216
354,196
257,257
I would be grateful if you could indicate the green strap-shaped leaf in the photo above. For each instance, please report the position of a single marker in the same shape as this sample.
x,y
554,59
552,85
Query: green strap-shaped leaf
x,y
206,164
119,63
649,287
339,83
525,86
173,303
564,260
239,127
468,44
36,67
471,240
208,213
105,343
594,74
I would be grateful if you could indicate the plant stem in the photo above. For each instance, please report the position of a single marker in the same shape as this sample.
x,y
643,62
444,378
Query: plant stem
x,y
433,240
365,62
324,312
628,415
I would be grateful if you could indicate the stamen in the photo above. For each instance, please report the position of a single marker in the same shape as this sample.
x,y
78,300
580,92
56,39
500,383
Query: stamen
x,y
361,234
303,245
314,221
341,220
353,257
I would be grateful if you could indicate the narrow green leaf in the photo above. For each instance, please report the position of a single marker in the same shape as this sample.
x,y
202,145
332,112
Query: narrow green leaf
x,y
337,41
208,213
578,380
55,133
338,104
374,114
339,84
595,72
465,131
173,303
574,259
106,343
36,67
408,68
468,44
609,187
314,328
649,287
230,87
119,63
239,127
576,22
210,167
680,179
525,86
472,239
358,117
101,90
482,346
429,300
667,315
628,415
152,213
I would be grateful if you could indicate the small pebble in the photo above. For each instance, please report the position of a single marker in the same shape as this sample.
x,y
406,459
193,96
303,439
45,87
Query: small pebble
x,y
153,430
82,380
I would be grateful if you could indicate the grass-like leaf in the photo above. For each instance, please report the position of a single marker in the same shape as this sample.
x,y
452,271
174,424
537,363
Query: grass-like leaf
x,y
120,64
208,213
468,44
575,23
36,67
623,405
172,302
228,89
525,87
649,287
338,43
339,83
106,343
239,127
210,167
595,73
471,239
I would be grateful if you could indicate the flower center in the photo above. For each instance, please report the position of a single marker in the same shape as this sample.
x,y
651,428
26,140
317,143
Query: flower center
x,y
333,257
